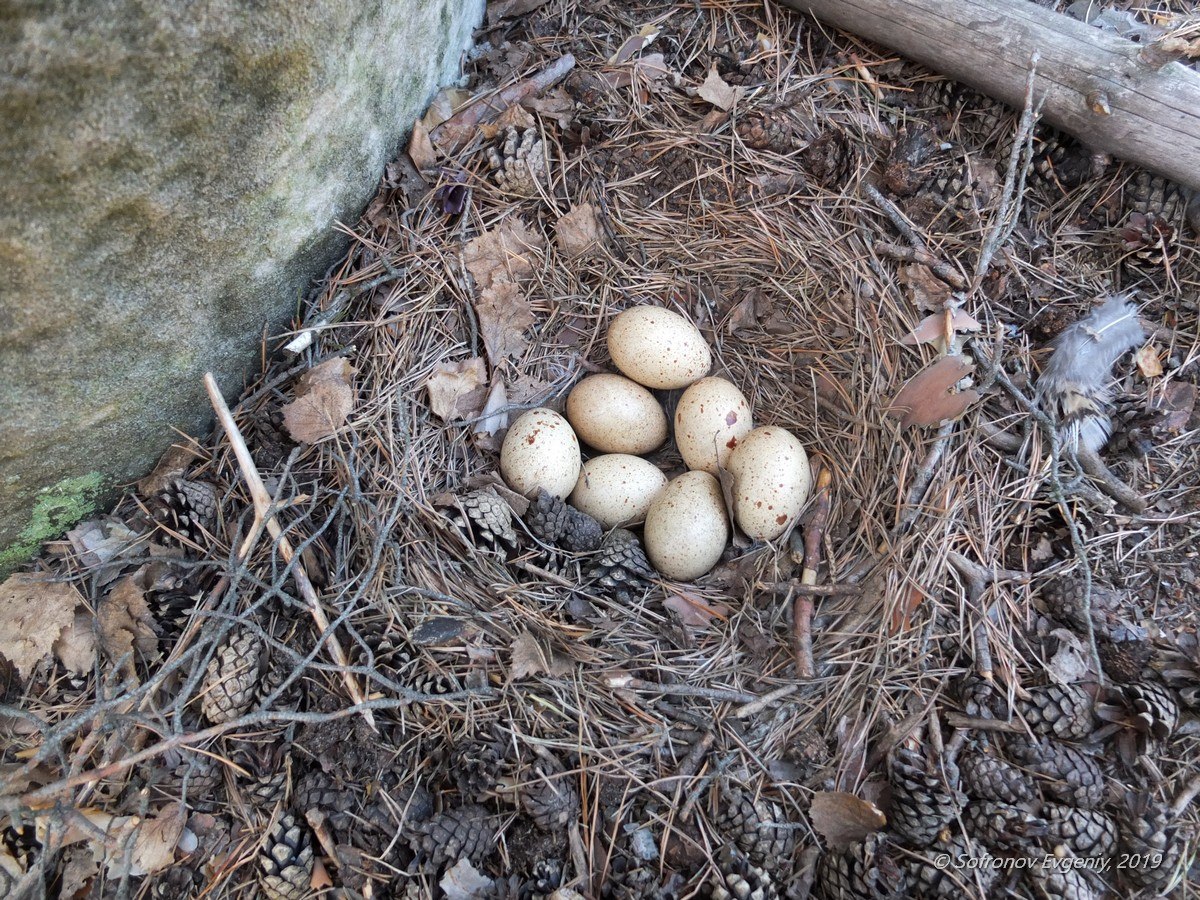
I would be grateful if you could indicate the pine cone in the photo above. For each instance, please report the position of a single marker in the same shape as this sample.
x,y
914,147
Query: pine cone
x,y
1151,708
554,522
621,569
317,790
1084,832
926,879
1125,660
519,165
1147,834
196,778
459,832
979,698
773,130
741,880
988,778
477,766
267,438
1063,772
1054,883
829,159
756,826
1063,600
173,611
380,644
1179,666
1149,242
485,521
433,684
1153,195
286,861
231,681
630,880
266,783
1001,825
863,871
1060,161
922,802
548,795
188,509
1058,711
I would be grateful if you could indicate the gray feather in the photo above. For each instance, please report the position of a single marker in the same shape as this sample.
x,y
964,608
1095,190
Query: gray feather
x,y
1075,385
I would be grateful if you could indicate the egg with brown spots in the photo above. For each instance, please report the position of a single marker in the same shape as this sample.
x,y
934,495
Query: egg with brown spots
x,y
658,348
617,489
711,418
540,451
616,415
687,526
771,481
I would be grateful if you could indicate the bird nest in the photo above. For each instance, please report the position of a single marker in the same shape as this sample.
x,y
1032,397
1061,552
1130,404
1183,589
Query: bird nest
x,y
415,697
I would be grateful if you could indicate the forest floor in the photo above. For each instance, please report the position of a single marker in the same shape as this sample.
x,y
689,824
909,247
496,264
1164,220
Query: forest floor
x,y
180,713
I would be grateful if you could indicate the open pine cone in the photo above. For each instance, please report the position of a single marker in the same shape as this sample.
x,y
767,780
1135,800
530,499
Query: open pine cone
x,y
286,861
519,164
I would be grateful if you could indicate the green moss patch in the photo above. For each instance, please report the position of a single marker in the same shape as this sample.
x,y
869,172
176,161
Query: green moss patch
x,y
57,508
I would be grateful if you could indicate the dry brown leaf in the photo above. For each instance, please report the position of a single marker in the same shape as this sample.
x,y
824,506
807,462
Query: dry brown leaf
x,y
502,254
76,646
170,465
457,390
420,149
1177,403
516,116
557,104
507,9
157,838
634,44
578,231
925,290
530,658
526,388
693,610
843,819
79,870
324,398
925,401
716,91
99,540
445,103
493,419
34,612
1148,362
125,621
503,314
750,310
939,327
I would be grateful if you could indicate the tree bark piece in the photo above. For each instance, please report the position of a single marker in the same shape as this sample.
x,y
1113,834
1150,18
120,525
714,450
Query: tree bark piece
x,y
1105,90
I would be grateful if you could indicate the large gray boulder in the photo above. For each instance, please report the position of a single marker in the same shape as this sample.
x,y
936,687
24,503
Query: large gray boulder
x,y
170,175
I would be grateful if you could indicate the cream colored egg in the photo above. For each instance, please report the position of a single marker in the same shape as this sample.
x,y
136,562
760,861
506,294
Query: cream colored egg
x,y
771,481
540,450
712,416
617,489
687,527
658,348
616,415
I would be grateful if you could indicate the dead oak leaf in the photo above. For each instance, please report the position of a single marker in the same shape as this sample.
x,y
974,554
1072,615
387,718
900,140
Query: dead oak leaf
x,y
940,327
1148,362
925,399
502,254
843,819
157,838
578,231
420,149
718,92
75,648
504,313
126,623
530,658
35,612
694,611
925,290
463,882
457,390
324,400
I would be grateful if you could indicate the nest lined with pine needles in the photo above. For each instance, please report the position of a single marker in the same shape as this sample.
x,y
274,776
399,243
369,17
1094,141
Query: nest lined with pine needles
x,y
538,732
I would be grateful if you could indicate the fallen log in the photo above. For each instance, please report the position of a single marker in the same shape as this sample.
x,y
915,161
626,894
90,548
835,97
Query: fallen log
x,y
1112,94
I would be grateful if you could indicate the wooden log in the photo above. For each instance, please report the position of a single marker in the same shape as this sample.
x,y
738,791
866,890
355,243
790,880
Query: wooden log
x,y
1112,94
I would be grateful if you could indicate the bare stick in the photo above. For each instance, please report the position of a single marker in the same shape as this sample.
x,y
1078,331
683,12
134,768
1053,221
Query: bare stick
x,y
977,579
802,607
938,267
795,587
461,127
629,683
958,720
765,700
1109,483
897,218
262,505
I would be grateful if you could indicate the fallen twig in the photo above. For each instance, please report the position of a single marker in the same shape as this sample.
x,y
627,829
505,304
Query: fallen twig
x,y
262,505
958,720
938,267
629,683
977,579
802,607
1109,483
456,131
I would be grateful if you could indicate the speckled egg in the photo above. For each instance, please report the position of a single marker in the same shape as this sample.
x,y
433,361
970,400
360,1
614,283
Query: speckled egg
x,y
687,526
710,420
617,489
616,415
771,481
658,348
540,451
